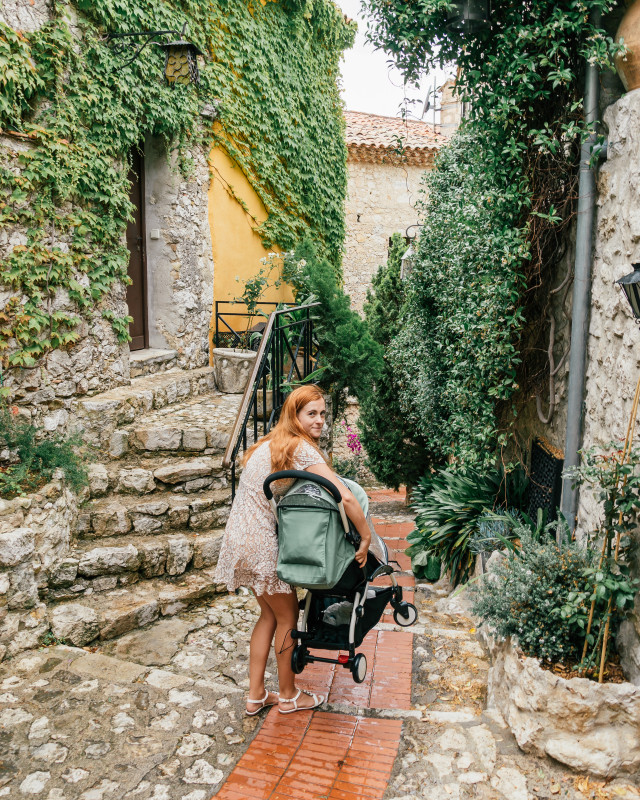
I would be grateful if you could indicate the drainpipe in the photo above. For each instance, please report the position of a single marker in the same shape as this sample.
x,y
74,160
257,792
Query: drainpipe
x,y
581,296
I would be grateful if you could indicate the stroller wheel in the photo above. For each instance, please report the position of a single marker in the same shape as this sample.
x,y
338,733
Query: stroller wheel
x,y
298,659
359,668
406,614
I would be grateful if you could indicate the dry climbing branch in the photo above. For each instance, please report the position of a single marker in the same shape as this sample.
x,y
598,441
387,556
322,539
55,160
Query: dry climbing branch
x,y
553,369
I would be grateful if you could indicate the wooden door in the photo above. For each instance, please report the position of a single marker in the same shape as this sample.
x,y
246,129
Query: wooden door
x,y
137,290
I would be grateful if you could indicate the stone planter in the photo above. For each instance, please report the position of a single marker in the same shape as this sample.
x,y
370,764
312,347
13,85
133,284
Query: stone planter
x,y
628,66
269,404
588,726
232,369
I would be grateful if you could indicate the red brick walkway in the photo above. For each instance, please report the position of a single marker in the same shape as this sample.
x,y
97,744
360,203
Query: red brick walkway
x,y
323,755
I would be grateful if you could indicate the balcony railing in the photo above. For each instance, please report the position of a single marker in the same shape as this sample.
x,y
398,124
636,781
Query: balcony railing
x,y
231,314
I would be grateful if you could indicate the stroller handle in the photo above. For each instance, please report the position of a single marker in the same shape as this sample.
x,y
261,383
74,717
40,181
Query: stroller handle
x,y
307,476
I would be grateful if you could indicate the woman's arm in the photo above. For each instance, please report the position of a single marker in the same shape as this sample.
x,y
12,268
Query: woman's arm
x,y
351,506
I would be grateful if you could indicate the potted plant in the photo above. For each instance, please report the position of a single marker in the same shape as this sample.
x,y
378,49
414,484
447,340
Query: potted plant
x,y
232,365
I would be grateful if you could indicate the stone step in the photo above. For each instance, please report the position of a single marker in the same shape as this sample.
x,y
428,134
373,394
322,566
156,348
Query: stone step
x,y
98,416
151,361
106,616
93,567
161,512
179,473
198,426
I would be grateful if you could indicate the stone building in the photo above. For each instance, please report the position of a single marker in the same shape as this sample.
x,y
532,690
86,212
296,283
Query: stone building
x,y
141,541
387,157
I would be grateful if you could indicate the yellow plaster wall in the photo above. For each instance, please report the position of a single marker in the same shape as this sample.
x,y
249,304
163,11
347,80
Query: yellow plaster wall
x,y
237,247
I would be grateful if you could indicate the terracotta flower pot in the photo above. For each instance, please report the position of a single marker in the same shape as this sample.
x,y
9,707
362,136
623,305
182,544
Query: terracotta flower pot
x,y
628,66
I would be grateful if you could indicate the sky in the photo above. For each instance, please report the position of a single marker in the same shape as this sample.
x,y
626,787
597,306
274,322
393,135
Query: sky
x,y
370,84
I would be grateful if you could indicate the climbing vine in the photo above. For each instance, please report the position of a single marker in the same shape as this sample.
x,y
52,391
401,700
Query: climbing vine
x,y
455,355
71,113
498,212
283,122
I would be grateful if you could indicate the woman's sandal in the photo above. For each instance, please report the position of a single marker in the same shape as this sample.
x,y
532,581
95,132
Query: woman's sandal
x,y
317,701
263,703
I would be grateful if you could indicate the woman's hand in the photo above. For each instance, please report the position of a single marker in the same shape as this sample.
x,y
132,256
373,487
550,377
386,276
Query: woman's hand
x,y
361,552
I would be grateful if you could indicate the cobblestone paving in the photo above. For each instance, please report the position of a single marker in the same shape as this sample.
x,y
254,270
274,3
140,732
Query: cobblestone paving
x,y
158,715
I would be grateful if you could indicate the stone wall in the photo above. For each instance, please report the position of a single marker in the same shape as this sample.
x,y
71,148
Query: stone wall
x,y
180,295
613,360
25,15
44,393
179,272
613,354
381,200
613,363
35,536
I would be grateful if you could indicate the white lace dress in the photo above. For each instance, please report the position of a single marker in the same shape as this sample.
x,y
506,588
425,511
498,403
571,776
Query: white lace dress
x,y
249,549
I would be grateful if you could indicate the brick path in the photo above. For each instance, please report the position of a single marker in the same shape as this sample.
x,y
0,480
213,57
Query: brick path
x,y
328,755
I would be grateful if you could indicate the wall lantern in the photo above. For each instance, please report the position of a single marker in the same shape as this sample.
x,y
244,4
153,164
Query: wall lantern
x,y
469,16
181,55
181,62
630,285
406,262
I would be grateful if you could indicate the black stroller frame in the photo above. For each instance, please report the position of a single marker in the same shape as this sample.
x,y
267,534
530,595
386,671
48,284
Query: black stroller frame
x,y
354,587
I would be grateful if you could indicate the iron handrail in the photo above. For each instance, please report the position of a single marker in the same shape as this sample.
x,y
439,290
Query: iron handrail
x,y
269,358
239,425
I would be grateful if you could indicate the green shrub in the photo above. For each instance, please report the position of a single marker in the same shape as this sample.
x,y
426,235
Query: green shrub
x,y
455,356
396,454
32,462
449,505
351,359
532,595
613,475
499,210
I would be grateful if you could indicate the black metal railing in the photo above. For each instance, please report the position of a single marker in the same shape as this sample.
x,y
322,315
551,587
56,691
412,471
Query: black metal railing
x,y
231,315
287,355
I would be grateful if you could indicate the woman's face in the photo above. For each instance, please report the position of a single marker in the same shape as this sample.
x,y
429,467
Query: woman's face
x,y
311,417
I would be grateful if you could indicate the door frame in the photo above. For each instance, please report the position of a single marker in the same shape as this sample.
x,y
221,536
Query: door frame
x,y
139,150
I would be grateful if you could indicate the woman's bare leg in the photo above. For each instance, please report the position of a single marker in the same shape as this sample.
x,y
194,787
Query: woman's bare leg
x,y
285,610
259,647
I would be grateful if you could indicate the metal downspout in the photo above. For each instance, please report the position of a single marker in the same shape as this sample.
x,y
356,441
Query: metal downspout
x,y
581,296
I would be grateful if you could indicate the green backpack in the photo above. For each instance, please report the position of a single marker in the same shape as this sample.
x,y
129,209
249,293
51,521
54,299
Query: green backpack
x,y
313,549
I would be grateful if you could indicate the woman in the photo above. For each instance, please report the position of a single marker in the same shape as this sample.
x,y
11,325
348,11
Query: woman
x,y
250,547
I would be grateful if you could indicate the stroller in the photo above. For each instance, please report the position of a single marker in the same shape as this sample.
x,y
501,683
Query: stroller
x,y
316,544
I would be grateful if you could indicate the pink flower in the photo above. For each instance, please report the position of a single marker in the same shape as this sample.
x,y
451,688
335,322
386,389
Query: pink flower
x,y
353,441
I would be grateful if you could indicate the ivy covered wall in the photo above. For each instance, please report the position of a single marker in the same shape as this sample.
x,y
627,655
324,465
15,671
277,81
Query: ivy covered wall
x,y
70,112
275,70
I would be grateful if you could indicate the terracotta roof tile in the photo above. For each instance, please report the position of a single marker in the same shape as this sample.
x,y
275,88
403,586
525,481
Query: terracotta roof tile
x,y
390,139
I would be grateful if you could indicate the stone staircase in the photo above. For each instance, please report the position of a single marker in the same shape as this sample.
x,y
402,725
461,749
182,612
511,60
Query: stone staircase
x,y
147,540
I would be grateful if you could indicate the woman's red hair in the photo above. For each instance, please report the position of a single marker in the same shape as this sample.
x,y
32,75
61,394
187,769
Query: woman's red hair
x,y
287,434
